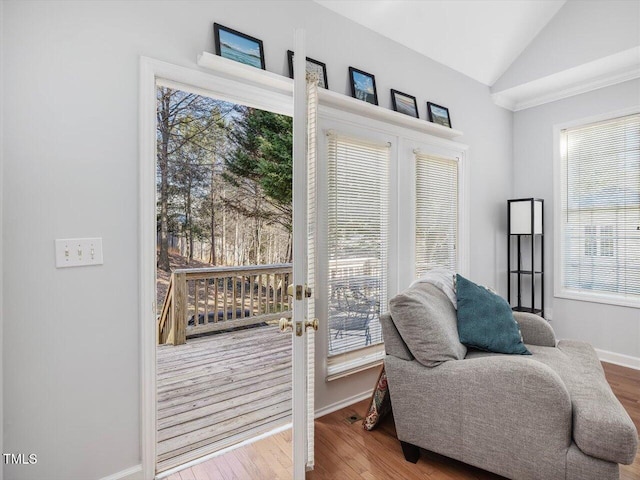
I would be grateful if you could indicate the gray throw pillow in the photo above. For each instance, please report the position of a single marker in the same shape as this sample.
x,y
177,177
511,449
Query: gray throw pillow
x,y
427,322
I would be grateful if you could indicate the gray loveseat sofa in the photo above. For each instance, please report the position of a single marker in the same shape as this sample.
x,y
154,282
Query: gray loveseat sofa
x,y
551,415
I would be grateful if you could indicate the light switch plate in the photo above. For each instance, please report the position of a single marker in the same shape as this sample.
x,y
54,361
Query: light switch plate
x,y
78,252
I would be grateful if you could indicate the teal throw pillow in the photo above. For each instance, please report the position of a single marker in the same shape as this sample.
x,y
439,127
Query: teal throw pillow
x,y
485,320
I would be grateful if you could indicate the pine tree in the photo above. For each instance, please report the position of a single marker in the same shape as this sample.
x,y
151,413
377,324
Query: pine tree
x,y
260,164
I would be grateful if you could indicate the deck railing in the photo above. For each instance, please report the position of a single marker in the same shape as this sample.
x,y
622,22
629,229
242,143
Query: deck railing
x,y
202,300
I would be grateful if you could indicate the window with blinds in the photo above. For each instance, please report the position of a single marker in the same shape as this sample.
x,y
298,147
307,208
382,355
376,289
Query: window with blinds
x,y
600,217
436,213
357,242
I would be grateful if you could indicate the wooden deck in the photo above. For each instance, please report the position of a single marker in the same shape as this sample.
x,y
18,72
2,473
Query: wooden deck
x,y
217,390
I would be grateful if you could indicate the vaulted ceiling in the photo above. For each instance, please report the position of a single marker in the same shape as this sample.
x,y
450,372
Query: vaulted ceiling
x,y
479,38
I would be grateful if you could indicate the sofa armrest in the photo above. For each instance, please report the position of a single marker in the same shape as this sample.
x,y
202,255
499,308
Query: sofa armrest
x,y
535,329
501,413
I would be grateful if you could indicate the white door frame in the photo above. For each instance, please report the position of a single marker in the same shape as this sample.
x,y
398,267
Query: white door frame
x,y
300,267
231,82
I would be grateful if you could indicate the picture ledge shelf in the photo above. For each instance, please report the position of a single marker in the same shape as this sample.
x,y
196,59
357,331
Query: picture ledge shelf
x,y
240,71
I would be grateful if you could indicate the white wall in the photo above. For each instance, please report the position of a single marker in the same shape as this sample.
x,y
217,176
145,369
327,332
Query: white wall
x,y
611,328
71,342
581,32
1,241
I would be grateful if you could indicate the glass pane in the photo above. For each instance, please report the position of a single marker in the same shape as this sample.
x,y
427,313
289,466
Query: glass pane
x,y
357,242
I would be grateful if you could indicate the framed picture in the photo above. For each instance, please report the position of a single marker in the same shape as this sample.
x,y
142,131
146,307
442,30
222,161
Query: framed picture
x,y
363,86
313,66
404,103
438,114
238,46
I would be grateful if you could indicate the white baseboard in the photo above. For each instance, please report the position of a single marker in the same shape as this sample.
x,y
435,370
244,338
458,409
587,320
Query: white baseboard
x,y
343,403
133,473
619,359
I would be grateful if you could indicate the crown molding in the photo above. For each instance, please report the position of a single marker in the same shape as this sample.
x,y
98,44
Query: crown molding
x,y
590,76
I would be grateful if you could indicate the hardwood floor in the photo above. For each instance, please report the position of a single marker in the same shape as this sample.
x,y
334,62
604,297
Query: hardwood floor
x,y
346,451
625,383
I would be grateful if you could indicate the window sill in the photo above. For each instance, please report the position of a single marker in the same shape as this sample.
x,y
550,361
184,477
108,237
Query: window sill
x,y
597,298
342,368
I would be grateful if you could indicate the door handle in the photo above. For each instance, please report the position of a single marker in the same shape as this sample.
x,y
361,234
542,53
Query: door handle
x,y
285,324
311,324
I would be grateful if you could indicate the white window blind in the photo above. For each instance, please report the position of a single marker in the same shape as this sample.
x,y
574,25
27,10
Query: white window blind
x,y
312,161
357,242
600,218
436,213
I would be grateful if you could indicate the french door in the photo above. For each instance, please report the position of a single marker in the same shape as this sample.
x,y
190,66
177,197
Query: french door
x,y
258,89
303,325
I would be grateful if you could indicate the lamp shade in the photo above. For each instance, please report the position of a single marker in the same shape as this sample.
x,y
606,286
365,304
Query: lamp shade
x,y
525,215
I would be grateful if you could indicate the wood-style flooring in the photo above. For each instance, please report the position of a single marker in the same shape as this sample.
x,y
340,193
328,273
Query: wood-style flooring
x,y
346,451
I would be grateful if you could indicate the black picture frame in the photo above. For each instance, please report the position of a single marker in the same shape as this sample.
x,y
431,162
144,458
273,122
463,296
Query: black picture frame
x,y
357,77
404,103
312,66
245,49
438,114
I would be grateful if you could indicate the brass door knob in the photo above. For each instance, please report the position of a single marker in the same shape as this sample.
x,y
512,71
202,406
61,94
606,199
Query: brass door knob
x,y
285,323
311,323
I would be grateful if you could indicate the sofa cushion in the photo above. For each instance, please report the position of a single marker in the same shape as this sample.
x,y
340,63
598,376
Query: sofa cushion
x,y
485,320
442,278
426,321
393,342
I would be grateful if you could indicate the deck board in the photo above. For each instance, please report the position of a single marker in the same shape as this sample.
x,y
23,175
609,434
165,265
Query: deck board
x,y
220,389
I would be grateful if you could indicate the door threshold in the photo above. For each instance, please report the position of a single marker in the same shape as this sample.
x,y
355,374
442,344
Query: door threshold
x,y
208,452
